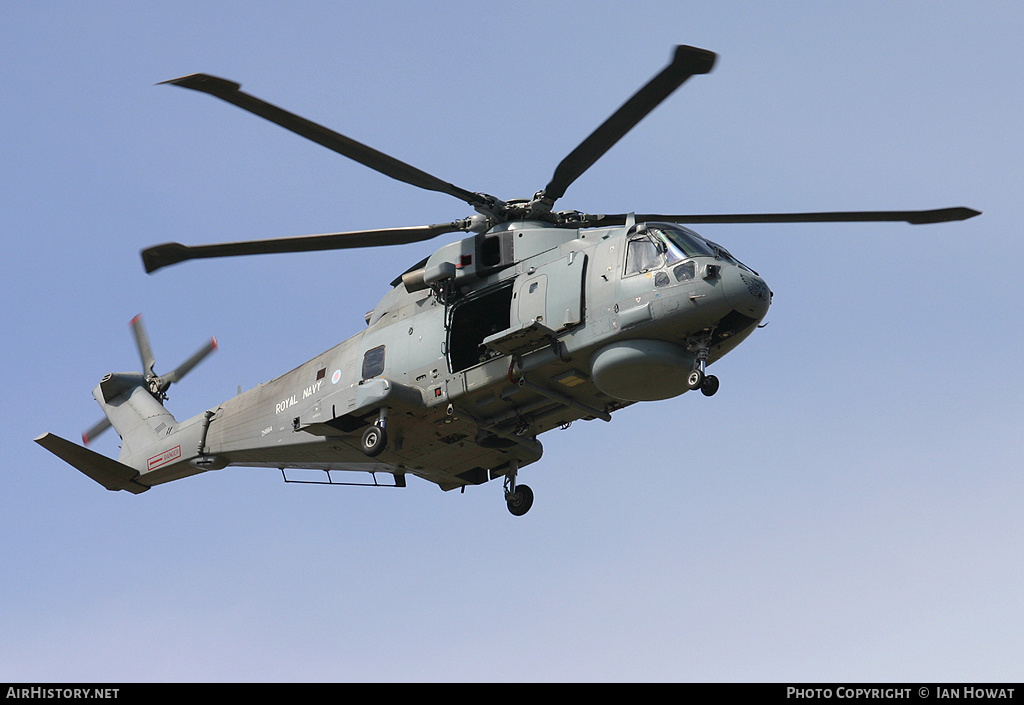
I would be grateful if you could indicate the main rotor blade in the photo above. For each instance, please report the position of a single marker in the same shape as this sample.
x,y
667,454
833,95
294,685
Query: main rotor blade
x,y
687,61
142,341
153,258
939,215
230,91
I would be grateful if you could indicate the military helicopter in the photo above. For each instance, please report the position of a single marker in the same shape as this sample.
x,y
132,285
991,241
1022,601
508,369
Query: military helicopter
x,y
536,319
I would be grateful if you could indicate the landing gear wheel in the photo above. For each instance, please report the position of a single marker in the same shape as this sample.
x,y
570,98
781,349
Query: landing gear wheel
x,y
520,501
695,380
374,440
709,386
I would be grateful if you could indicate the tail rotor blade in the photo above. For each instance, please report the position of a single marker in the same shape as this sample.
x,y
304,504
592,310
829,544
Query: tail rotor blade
x,y
96,430
142,341
184,368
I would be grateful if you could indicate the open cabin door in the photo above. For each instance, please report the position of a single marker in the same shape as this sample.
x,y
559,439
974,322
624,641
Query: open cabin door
x,y
545,300
517,316
473,319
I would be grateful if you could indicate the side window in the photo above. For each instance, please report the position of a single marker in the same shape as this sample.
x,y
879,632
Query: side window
x,y
373,362
642,255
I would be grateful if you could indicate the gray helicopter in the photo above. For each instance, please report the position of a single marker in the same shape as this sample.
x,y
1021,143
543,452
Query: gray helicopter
x,y
534,320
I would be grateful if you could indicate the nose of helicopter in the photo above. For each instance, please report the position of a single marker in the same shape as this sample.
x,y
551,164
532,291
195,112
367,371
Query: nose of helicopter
x,y
747,292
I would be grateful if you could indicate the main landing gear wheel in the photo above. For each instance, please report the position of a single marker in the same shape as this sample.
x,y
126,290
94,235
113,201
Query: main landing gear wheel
x,y
520,501
519,498
695,380
709,386
374,440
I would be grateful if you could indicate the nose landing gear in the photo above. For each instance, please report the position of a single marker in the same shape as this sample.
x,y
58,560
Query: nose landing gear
x,y
707,384
698,378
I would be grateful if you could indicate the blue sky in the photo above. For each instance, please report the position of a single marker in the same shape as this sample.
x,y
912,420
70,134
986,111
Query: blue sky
x,y
847,507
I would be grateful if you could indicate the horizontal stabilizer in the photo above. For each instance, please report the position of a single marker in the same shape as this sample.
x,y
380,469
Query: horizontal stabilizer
x,y
106,471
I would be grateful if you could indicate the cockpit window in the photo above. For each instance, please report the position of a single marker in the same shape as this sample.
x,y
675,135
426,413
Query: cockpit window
x,y
680,242
723,253
642,255
659,243
685,272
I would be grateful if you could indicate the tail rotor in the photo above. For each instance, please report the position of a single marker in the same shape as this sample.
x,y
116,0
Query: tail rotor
x,y
157,384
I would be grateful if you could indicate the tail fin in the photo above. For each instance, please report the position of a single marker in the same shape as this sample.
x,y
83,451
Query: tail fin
x,y
132,403
134,412
139,419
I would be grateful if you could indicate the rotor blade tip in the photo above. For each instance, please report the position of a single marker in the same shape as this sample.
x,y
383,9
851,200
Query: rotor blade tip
x,y
942,215
698,60
961,213
180,81
204,82
90,434
159,256
135,320
213,343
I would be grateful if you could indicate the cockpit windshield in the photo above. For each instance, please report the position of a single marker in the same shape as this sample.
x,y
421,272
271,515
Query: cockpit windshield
x,y
660,244
680,243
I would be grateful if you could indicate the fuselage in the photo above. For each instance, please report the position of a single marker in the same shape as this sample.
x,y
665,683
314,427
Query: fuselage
x,y
500,338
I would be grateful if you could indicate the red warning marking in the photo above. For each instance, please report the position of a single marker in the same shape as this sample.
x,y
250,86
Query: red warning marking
x,y
163,458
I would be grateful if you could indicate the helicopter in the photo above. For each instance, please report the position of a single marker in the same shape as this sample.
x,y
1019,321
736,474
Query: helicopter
x,y
536,318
